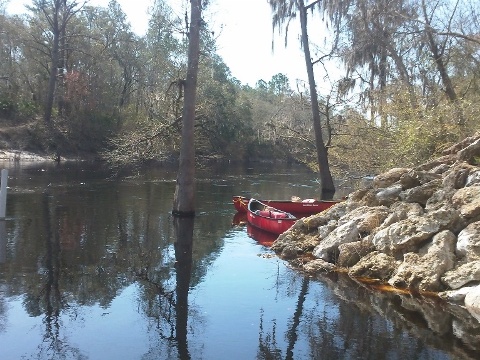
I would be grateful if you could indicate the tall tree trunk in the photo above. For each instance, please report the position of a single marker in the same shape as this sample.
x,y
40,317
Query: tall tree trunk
x,y
383,85
404,76
52,81
184,200
438,57
62,64
371,89
327,186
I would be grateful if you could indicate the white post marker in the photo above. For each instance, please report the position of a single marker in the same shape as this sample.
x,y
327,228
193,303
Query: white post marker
x,y
3,193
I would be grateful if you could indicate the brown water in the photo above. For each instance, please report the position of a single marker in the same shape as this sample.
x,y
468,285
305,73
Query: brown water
x,y
95,267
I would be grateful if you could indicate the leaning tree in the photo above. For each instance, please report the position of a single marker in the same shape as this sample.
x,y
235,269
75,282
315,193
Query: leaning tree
x,y
283,12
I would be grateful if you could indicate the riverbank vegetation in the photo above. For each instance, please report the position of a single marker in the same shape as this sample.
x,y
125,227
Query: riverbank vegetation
x,y
409,90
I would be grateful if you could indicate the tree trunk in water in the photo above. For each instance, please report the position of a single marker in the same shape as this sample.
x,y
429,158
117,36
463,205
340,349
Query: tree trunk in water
x,y
327,186
184,199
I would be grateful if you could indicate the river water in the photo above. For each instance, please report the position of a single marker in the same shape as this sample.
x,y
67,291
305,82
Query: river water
x,y
95,267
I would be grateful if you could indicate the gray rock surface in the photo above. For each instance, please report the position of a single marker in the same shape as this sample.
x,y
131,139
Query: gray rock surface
x,y
415,229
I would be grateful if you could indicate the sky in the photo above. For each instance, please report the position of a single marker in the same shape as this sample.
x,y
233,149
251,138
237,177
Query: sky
x,y
244,40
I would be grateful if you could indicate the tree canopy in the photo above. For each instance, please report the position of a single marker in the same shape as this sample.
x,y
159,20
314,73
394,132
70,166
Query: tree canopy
x,y
410,86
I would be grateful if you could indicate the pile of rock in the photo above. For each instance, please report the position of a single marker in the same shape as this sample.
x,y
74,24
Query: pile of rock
x,y
415,229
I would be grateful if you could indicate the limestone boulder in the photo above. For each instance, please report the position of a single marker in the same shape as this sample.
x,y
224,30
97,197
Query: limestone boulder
x,y
457,176
439,199
376,265
440,169
357,195
365,217
290,245
457,295
409,180
437,163
422,271
421,194
317,266
350,253
365,198
447,218
404,210
415,178
468,243
389,178
400,211
469,153
327,249
387,196
473,178
467,200
324,230
455,148
309,224
405,235
337,211
472,302
462,275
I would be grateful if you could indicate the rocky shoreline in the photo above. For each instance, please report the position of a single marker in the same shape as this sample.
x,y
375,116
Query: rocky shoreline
x,y
417,230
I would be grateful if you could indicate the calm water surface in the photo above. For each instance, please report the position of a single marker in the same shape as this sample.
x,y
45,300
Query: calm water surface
x,y
93,267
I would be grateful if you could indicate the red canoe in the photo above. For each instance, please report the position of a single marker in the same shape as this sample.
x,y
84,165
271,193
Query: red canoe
x,y
269,219
300,208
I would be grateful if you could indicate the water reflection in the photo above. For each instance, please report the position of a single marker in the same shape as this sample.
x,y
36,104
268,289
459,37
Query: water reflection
x,y
183,255
99,269
43,297
262,237
3,242
268,345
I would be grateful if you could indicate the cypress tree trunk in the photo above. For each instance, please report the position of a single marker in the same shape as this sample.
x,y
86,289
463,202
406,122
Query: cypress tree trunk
x,y
327,186
52,81
184,200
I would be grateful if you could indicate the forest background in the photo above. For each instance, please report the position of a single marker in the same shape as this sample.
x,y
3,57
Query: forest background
x,y
410,87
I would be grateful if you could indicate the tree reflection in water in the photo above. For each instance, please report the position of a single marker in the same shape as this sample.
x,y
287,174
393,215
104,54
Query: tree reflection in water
x,y
183,255
47,299
3,241
268,348
110,256
171,308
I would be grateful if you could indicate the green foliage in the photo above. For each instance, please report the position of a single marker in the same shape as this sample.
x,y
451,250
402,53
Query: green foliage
x,y
7,108
421,133
22,109
279,84
410,137
129,89
27,109
359,146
